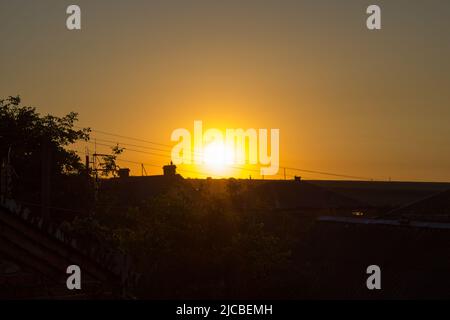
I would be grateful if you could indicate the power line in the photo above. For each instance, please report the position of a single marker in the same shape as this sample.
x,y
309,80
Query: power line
x,y
132,145
126,137
158,166
197,172
327,173
168,157
256,170
128,149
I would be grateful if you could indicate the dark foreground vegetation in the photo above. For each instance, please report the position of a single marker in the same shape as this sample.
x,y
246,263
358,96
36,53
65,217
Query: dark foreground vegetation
x,y
212,239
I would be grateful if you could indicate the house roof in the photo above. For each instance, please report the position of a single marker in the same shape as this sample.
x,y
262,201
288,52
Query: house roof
x,y
293,194
433,207
43,250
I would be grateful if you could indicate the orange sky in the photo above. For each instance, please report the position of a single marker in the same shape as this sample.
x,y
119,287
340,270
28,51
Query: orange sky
x,y
346,100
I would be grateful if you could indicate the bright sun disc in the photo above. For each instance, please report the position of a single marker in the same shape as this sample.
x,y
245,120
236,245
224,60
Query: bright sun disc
x,y
217,156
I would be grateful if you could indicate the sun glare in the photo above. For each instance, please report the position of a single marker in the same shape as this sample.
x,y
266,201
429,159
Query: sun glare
x,y
217,156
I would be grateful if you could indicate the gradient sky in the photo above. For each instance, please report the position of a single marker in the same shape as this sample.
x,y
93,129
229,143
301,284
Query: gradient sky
x,y
346,99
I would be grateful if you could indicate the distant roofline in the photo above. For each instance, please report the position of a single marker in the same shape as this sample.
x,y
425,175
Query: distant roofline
x,y
386,222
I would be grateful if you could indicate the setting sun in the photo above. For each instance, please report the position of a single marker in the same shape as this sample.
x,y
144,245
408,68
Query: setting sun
x,y
217,156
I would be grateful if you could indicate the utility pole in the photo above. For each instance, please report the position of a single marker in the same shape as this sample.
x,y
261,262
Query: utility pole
x,y
143,171
87,166
95,161
45,178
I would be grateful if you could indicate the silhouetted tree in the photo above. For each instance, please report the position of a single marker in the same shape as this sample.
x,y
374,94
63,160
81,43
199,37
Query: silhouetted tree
x,y
109,165
23,132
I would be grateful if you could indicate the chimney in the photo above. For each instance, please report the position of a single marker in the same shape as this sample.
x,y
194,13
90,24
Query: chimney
x,y
170,170
124,173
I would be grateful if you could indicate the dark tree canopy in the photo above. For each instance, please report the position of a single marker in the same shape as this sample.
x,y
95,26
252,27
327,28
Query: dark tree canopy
x,y
23,132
